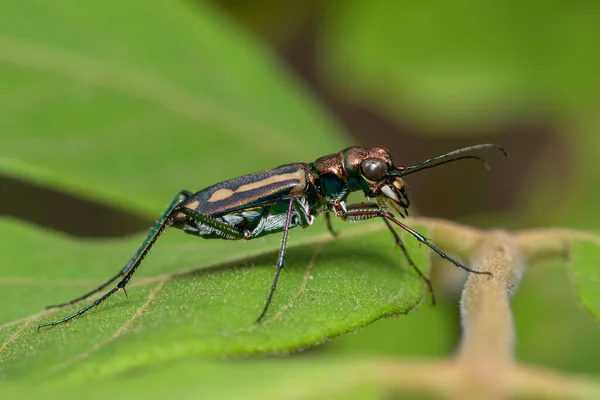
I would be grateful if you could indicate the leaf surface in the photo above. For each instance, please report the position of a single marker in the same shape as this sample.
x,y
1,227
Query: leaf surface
x,y
170,97
459,63
193,298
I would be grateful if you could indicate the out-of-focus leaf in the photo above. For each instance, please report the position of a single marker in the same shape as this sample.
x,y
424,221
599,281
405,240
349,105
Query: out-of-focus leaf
x,y
585,269
456,63
247,379
100,98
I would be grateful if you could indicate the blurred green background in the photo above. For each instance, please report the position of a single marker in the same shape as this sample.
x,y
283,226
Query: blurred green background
x,y
418,78
423,78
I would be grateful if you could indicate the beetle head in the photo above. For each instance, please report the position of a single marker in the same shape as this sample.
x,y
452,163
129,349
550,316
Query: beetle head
x,y
373,171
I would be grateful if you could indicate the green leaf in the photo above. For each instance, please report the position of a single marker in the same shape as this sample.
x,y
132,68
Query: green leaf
x,y
585,270
126,104
246,379
192,297
457,63
129,113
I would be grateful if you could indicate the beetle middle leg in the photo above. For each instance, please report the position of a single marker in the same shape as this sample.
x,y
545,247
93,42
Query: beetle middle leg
x,y
230,232
280,260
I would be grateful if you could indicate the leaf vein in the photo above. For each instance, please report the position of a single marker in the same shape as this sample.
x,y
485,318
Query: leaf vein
x,y
138,314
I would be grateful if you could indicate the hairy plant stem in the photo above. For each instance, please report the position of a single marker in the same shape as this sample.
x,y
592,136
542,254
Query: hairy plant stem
x,y
483,366
487,342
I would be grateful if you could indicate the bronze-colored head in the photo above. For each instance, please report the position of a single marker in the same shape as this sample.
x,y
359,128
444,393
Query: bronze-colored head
x,y
372,170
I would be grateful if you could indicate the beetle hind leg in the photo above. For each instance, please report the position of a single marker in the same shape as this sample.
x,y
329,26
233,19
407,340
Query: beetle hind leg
x,y
222,229
126,272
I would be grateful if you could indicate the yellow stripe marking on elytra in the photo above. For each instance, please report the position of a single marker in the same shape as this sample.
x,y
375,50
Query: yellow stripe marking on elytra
x,y
193,205
299,175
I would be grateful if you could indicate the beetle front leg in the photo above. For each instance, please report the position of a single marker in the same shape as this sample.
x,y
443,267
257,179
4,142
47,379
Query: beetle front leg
x,y
361,214
363,211
329,224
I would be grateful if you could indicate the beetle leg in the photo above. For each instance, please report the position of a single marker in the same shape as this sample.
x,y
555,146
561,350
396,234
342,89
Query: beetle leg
x,y
228,231
400,244
127,272
363,211
329,224
280,261
355,212
360,214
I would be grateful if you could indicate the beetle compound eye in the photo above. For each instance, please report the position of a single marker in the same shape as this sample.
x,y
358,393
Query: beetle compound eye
x,y
374,169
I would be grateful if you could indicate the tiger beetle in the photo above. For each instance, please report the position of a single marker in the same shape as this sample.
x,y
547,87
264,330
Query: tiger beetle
x,y
291,195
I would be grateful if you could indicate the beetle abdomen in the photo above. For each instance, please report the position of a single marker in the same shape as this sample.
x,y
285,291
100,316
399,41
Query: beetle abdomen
x,y
254,222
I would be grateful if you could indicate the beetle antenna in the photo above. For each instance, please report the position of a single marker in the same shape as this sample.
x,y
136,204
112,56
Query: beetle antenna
x,y
429,164
433,162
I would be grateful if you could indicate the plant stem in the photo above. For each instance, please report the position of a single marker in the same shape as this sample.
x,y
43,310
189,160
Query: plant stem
x,y
488,338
